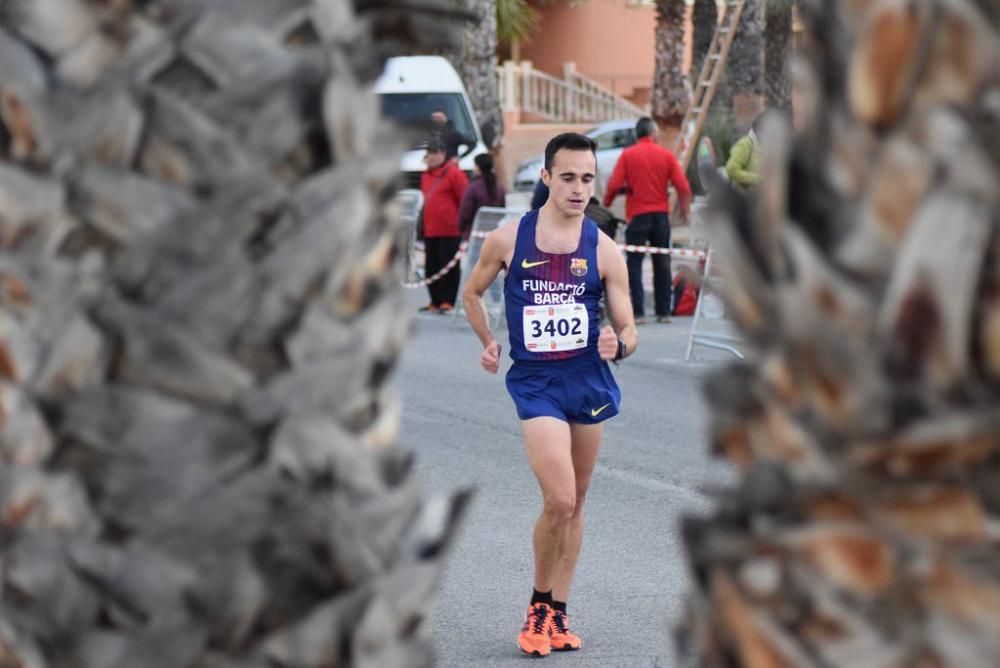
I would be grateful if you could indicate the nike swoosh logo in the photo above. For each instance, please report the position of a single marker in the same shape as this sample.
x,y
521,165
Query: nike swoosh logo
x,y
528,265
594,412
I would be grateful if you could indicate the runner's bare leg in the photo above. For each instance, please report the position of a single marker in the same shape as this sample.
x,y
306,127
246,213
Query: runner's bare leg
x,y
586,441
548,444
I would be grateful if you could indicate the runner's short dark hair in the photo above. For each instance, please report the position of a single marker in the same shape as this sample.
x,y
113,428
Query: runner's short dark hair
x,y
571,141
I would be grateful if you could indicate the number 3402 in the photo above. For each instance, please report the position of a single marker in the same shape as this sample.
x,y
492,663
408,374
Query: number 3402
x,y
560,327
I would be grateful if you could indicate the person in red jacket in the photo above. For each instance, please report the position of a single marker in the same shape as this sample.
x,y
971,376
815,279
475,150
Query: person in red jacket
x,y
645,170
442,185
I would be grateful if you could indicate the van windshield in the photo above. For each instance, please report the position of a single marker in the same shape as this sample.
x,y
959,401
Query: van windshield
x,y
414,110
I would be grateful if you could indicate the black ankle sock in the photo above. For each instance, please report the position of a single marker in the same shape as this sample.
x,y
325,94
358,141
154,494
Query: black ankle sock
x,y
541,597
559,605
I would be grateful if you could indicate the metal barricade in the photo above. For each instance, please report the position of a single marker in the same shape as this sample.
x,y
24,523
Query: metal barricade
x,y
410,202
709,326
488,218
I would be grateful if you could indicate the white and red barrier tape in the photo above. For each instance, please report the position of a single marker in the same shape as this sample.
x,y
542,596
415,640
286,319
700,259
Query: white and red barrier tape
x,y
628,248
656,250
459,254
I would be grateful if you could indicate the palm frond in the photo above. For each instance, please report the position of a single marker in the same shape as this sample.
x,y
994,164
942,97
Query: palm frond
x,y
516,20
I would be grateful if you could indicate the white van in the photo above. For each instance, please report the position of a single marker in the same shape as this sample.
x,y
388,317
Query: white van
x,y
410,88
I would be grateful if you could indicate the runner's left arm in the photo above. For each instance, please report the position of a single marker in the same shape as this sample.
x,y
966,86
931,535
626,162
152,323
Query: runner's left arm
x,y
616,296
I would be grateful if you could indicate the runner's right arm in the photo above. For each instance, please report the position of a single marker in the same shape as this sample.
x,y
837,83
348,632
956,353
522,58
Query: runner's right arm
x,y
490,264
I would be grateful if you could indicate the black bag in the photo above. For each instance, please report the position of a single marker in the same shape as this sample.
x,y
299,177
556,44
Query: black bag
x,y
605,220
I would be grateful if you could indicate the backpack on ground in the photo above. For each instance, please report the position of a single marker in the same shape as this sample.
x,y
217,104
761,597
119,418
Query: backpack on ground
x,y
685,296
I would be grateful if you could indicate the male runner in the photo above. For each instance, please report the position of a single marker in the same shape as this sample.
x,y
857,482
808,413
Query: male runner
x,y
557,265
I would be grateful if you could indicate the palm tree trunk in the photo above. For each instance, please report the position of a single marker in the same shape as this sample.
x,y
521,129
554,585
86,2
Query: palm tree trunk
x,y
778,54
704,19
478,68
745,65
670,94
865,278
199,291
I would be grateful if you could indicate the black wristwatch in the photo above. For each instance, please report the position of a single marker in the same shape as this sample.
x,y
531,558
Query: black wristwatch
x,y
622,351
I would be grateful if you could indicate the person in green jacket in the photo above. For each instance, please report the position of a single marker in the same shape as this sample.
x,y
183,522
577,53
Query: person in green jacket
x,y
743,166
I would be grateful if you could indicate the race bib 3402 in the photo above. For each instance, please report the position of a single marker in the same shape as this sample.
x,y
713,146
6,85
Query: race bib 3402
x,y
556,327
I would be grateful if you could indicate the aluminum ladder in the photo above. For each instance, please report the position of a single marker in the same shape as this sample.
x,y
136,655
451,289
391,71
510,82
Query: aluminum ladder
x,y
708,81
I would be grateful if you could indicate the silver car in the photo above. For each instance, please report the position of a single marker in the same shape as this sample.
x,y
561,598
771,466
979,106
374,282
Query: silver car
x,y
611,138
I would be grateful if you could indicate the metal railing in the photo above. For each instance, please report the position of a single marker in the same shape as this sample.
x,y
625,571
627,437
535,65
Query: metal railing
x,y
574,98
409,202
710,327
487,219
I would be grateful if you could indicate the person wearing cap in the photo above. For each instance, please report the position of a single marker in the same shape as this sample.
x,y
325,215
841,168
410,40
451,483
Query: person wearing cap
x,y
442,185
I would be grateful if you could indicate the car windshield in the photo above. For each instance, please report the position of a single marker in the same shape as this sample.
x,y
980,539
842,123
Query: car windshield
x,y
413,110
614,139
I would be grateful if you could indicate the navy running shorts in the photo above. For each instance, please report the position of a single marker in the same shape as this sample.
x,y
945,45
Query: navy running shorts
x,y
580,390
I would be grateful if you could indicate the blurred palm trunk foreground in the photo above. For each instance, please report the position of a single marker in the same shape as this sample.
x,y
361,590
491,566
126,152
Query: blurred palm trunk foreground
x,y
864,531
199,310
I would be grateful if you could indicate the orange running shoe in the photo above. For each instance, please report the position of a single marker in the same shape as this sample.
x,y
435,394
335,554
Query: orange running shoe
x,y
534,636
561,639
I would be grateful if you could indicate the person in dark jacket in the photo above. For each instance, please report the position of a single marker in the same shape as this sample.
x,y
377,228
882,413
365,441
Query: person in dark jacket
x,y
540,195
443,185
442,128
645,170
483,191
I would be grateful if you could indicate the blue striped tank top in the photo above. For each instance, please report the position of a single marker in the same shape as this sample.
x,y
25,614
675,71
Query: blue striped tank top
x,y
551,299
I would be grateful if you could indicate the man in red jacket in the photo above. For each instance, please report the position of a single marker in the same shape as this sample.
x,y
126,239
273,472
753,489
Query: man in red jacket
x,y
645,170
442,185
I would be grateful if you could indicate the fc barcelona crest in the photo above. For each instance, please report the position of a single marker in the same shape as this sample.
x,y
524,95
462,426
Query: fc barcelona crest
x,y
578,266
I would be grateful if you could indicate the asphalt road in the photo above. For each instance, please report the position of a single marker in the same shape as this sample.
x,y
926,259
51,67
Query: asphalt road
x,y
631,577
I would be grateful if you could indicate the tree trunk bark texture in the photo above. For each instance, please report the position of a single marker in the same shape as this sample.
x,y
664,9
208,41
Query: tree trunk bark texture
x,y
704,21
745,64
865,276
200,307
671,95
479,68
778,55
